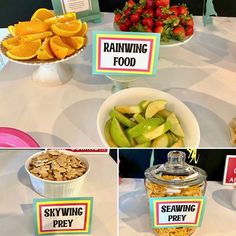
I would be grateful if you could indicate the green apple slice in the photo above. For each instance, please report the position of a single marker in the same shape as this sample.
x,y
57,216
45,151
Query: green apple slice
x,y
159,117
161,141
122,119
175,125
144,126
164,113
172,138
179,143
147,144
138,117
107,134
143,105
118,134
128,109
156,132
155,107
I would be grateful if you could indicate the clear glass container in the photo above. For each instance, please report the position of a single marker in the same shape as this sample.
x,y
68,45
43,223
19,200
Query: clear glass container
x,y
175,178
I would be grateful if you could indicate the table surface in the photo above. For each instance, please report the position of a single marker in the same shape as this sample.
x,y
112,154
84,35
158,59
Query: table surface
x,y
201,73
16,209
219,217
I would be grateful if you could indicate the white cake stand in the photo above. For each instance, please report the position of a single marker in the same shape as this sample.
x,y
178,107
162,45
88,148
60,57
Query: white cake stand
x,y
49,73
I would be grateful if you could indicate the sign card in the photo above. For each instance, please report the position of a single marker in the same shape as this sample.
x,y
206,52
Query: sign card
x,y
230,170
171,212
125,53
76,5
63,216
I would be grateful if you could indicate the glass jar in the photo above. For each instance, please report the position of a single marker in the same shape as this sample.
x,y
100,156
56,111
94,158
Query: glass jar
x,y
175,178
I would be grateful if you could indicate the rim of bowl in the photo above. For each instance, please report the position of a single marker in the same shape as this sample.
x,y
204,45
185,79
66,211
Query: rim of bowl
x,y
101,133
57,182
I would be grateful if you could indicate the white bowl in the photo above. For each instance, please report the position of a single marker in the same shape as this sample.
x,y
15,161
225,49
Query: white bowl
x,y
57,189
132,96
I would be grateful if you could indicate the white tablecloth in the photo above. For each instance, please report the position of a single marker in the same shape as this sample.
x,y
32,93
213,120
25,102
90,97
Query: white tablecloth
x,y
16,198
219,217
201,73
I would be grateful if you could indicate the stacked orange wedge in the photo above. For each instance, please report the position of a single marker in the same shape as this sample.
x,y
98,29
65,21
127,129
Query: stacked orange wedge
x,y
46,36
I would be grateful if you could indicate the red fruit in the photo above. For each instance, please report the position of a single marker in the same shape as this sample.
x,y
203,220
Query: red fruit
x,y
123,27
172,20
127,11
185,20
162,3
148,21
134,17
149,4
117,18
158,29
158,13
189,30
189,22
148,13
182,10
148,29
179,33
158,23
174,10
138,10
127,22
131,3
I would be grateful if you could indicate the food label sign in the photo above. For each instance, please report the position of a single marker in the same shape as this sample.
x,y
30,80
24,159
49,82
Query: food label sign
x,y
230,170
177,211
62,216
120,53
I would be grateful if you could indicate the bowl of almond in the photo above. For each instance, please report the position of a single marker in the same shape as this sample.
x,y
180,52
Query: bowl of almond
x,y
57,173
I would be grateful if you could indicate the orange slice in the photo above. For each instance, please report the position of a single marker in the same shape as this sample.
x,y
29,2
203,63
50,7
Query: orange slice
x,y
75,42
31,27
10,42
60,49
42,14
24,51
31,37
84,29
44,52
61,19
67,29
12,30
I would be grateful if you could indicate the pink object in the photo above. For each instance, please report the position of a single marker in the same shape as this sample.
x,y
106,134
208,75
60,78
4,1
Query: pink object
x,y
14,138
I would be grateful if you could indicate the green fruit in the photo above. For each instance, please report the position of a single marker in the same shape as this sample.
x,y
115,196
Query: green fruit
x,y
128,109
161,141
172,138
131,140
164,113
154,107
122,119
147,144
179,143
107,134
156,132
144,126
118,134
160,117
143,105
138,117
175,125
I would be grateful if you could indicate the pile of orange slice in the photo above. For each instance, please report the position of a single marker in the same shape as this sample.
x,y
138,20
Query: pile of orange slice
x,y
46,36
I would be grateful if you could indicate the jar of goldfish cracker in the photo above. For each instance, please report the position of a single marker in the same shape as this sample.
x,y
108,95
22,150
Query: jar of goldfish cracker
x,y
175,178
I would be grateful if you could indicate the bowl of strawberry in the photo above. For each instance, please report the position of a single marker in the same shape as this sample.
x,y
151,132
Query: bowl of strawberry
x,y
174,23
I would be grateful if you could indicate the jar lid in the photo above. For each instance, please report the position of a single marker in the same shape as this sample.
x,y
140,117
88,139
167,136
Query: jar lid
x,y
175,172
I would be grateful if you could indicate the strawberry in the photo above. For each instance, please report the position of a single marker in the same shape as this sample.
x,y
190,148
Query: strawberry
x,y
189,22
135,17
138,9
131,3
158,13
189,30
148,29
158,29
148,21
182,10
127,11
162,12
158,23
179,33
172,20
186,20
174,10
117,17
123,27
148,13
149,4
162,3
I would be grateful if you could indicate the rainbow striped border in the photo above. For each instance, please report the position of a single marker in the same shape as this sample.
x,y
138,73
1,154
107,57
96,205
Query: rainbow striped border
x,y
154,206
39,203
153,38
